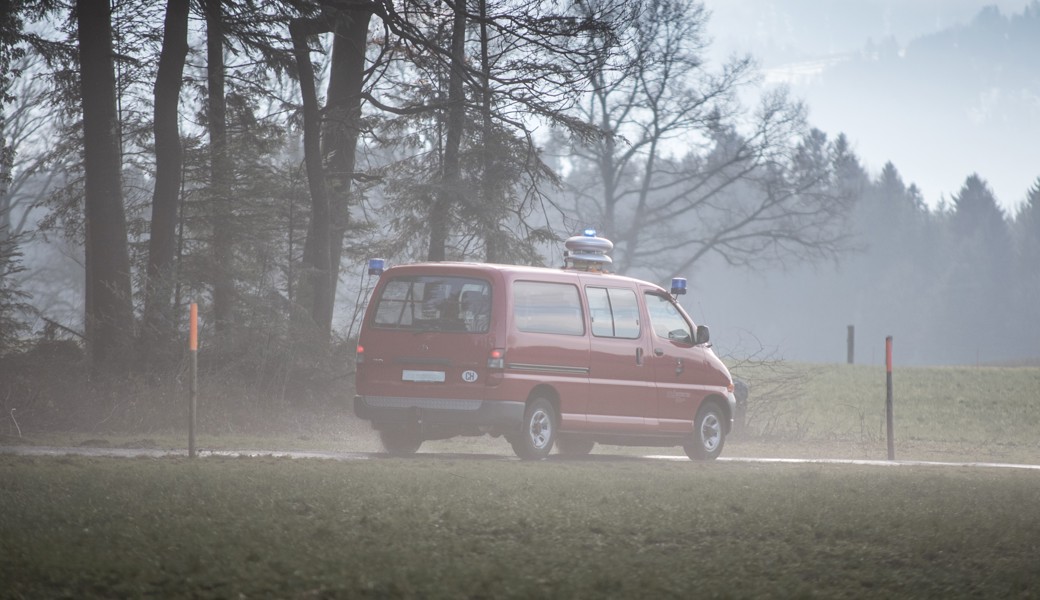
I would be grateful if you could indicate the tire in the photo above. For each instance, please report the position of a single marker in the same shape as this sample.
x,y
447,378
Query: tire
x,y
535,440
401,441
574,446
709,433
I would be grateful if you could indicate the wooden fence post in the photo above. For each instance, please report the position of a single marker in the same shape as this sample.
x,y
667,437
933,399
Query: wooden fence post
x,y
889,418
193,350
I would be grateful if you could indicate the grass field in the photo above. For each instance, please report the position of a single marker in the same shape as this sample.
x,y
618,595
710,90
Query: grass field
x,y
941,413
456,523
453,527
989,414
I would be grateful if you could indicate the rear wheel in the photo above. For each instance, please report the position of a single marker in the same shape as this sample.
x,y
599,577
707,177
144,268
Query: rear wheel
x,y
535,440
401,441
574,446
708,434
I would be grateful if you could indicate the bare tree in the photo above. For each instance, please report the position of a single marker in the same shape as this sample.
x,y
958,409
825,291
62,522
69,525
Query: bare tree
x,y
109,312
162,244
316,258
221,173
330,145
11,296
451,170
681,170
533,61
342,130
27,115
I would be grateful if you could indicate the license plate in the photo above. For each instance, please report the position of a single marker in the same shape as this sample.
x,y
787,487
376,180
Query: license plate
x,y
423,376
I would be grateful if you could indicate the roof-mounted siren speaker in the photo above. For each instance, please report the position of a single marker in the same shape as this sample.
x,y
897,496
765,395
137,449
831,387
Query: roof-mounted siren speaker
x,y
376,266
678,286
587,252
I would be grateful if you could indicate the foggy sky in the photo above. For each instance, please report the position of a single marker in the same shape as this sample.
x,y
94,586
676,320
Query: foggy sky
x,y
935,132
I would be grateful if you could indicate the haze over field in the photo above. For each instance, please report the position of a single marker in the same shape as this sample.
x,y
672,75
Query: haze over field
x,y
942,90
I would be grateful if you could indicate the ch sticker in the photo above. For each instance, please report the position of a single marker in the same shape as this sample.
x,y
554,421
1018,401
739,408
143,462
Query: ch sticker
x,y
469,376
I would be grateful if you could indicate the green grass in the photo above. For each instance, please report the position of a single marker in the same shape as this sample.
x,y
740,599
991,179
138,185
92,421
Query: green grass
x,y
956,404
987,414
489,528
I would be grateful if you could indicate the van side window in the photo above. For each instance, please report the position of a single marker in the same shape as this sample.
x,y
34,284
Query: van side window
x,y
667,321
540,307
614,312
434,304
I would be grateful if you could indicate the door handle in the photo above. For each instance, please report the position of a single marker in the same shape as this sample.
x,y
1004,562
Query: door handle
x,y
678,366
639,357
658,351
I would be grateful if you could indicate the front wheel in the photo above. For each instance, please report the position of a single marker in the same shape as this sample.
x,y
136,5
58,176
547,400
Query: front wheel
x,y
708,435
535,440
401,441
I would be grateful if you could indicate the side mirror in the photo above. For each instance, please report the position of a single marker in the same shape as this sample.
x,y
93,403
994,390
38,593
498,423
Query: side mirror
x,y
702,334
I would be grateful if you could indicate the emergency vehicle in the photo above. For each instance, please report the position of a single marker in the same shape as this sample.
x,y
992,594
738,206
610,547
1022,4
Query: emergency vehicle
x,y
545,357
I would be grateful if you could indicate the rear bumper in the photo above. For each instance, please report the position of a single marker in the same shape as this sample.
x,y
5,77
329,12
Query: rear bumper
x,y
390,409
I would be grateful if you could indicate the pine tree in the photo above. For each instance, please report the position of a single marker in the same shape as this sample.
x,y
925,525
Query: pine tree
x,y
979,275
1026,285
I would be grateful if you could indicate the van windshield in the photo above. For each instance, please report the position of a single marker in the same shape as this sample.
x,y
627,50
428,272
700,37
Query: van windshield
x,y
432,303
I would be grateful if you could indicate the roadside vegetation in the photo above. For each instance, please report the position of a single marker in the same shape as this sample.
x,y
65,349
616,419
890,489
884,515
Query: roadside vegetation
x,y
976,413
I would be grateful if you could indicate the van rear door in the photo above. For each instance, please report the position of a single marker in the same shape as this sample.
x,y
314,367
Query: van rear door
x,y
428,336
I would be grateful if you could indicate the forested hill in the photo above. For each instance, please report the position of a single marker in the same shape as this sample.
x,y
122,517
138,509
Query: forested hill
x,y
993,56
967,97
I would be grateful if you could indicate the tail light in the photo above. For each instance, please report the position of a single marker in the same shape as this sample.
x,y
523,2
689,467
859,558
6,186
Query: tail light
x,y
360,356
497,359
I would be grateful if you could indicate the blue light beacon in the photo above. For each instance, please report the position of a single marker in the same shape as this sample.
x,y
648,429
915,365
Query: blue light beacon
x,y
376,266
678,286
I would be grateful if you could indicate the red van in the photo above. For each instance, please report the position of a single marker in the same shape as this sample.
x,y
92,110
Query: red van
x,y
541,356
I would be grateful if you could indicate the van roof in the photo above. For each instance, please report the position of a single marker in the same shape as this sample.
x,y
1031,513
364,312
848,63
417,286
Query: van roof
x,y
514,271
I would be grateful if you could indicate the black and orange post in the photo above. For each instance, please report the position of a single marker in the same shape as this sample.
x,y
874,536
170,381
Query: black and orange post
x,y
193,350
889,418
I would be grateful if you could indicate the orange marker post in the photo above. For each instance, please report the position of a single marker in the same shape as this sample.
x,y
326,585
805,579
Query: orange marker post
x,y
193,350
889,418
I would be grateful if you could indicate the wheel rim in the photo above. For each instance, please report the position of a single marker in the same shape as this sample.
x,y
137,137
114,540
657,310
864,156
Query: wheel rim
x,y
541,429
711,432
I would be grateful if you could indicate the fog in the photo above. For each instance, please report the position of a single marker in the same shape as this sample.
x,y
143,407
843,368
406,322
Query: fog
x,y
942,88
939,102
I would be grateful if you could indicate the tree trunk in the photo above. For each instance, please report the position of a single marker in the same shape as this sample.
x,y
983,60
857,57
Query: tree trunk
x,y
109,309
162,244
314,288
340,137
220,174
452,173
488,188
6,161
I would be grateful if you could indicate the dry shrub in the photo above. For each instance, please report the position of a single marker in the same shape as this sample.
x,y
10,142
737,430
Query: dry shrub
x,y
251,388
769,408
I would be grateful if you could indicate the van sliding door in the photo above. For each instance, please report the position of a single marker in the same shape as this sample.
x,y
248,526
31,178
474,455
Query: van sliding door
x,y
621,385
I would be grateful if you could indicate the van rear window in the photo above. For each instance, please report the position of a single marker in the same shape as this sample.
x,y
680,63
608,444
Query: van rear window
x,y
547,308
425,303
